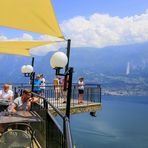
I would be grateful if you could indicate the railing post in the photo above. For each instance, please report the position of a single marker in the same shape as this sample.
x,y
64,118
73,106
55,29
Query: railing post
x,y
100,95
45,105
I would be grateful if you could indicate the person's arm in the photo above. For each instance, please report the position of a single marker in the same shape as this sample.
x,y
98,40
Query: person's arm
x,y
28,104
11,96
13,107
1,95
31,100
34,99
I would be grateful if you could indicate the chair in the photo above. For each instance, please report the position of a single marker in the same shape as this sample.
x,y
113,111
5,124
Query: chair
x,y
18,135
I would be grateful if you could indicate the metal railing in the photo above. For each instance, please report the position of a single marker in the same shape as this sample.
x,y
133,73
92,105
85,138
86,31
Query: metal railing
x,y
92,93
56,135
65,139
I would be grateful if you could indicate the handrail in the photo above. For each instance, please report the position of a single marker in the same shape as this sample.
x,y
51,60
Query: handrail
x,y
67,131
49,84
68,138
55,108
92,92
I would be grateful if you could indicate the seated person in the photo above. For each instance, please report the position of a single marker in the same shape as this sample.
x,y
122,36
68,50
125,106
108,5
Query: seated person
x,y
23,103
6,93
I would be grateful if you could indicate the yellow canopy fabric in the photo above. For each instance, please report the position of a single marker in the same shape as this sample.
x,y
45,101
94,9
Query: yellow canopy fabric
x,y
20,47
31,15
22,52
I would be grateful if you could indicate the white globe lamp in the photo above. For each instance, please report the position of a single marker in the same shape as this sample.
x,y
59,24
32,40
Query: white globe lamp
x,y
29,69
24,69
58,60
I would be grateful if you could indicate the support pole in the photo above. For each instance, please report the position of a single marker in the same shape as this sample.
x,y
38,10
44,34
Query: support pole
x,y
68,53
32,81
32,76
32,62
66,67
69,92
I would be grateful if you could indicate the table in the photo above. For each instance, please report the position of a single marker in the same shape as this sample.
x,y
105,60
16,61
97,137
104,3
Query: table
x,y
20,116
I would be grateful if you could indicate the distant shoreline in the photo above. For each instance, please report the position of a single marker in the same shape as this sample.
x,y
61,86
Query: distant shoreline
x,y
124,93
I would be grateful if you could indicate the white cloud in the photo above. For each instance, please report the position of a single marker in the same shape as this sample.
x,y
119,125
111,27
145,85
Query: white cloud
x,y
98,30
3,38
27,37
42,50
101,30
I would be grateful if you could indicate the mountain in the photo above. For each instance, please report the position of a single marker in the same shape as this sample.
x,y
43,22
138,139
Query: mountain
x,y
112,60
11,67
115,66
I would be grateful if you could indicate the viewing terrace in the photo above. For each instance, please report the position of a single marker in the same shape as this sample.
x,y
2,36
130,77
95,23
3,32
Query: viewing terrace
x,y
91,103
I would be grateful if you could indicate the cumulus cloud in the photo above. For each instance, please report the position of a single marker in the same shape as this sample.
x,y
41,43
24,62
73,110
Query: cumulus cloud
x,y
3,38
27,37
101,30
97,30
43,50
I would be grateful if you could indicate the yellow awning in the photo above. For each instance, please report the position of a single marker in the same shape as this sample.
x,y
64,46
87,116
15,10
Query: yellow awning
x,y
31,15
23,52
20,47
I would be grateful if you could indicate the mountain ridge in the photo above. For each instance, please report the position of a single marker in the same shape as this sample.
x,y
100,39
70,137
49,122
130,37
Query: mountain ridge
x,y
107,66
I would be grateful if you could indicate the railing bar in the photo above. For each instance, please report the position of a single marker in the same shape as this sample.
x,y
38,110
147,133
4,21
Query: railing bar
x,y
55,108
68,137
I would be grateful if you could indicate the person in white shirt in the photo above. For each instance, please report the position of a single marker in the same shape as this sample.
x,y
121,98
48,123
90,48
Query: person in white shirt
x,y
81,90
42,85
6,93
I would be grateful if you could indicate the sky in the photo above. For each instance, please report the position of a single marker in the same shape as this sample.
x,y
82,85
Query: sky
x,y
67,9
94,24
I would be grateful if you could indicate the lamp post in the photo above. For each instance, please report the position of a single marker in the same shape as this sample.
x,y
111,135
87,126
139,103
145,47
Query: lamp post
x,y
58,61
27,70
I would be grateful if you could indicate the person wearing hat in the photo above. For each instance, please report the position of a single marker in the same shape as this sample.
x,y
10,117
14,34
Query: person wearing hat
x,y
80,90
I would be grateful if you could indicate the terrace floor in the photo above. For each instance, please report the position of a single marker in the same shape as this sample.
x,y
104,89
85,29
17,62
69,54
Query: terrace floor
x,y
86,106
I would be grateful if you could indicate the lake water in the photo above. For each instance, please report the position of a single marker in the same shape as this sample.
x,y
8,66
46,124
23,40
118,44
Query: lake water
x,y
122,123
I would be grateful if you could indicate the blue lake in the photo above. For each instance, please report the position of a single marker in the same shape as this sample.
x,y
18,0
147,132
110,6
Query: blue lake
x,y
122,123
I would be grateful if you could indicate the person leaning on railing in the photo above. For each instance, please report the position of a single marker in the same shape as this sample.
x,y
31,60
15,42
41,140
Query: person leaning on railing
x,y
22,103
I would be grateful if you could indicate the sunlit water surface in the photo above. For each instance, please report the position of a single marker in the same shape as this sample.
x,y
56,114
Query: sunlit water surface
x,y
122,123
